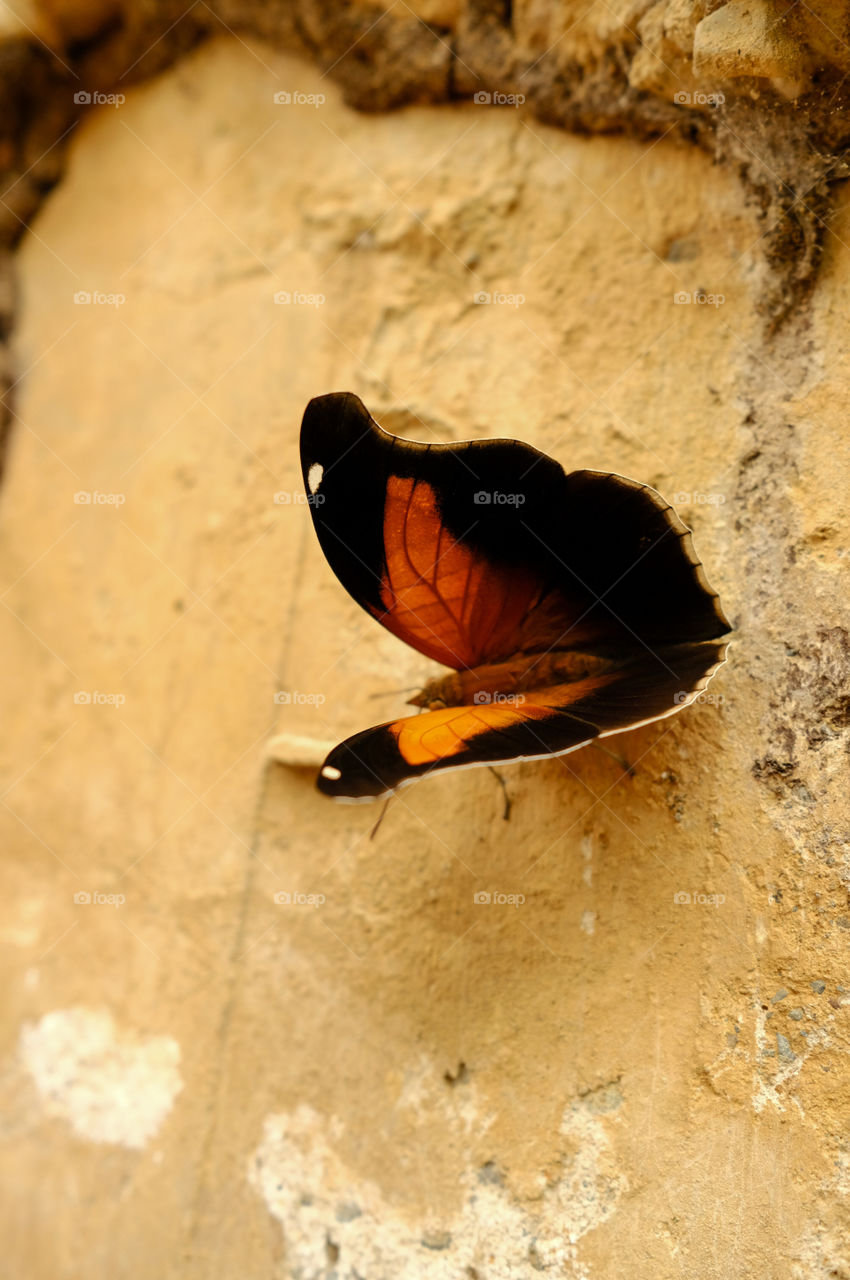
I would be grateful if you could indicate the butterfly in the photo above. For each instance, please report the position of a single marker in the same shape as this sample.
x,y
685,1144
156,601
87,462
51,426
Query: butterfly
x,y
567,606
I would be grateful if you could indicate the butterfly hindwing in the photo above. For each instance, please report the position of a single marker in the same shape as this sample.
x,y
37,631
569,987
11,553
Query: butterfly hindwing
x,y
542,722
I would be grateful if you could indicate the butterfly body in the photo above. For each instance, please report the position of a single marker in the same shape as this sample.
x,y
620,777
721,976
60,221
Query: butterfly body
x,y
567,606
511,679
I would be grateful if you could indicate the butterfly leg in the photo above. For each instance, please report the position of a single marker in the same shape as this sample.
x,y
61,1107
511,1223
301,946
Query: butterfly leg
x,y
508,802
621,760
374,830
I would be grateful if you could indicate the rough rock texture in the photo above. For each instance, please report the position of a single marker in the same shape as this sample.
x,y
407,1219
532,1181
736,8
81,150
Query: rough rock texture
x,y
639,1065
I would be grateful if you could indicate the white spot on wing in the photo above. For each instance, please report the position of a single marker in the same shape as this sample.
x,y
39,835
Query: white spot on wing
x,y
314,476
330,772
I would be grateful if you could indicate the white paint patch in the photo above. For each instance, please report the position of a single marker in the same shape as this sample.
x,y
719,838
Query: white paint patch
x,y
331,772
109,1086
760,931
299,751
588,923
314,476
319,1200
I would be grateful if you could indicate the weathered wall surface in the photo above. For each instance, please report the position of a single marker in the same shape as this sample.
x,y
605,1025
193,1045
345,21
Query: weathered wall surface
x,y
202,1080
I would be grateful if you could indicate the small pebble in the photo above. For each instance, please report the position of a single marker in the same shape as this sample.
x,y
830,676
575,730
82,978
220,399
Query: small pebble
x,y
780,995
783,1048
819,987
796,1014
436,1239
490,1172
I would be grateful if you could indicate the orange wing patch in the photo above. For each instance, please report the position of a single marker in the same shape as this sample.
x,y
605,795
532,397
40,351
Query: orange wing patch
x,y
440,597
437,735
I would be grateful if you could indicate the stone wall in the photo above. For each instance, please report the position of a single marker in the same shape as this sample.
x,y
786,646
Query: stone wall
x,y
391,1080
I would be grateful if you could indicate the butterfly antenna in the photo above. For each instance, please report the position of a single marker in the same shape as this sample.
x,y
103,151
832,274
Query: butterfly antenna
x,y
508,802
385,693
374,830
